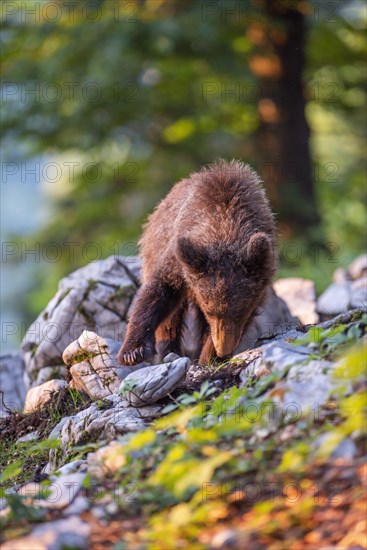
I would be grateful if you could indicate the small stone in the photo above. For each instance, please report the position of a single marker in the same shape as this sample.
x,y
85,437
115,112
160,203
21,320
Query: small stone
x,y
107,460
37,397
227,538
32,436
148,385
335,299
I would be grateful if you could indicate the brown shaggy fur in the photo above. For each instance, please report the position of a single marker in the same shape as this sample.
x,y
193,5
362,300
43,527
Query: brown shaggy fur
x,y
208,247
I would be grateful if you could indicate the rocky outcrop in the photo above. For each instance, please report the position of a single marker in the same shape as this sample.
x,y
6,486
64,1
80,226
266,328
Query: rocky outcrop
x,y
285,372
11,382
96,297
92,365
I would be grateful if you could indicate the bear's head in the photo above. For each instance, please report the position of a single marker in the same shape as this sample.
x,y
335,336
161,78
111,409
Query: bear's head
x,y
228,282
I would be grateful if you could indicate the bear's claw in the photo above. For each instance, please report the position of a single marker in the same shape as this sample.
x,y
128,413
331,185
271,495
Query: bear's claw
x,y
133,357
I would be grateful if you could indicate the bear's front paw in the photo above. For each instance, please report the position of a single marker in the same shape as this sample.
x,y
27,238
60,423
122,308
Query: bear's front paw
x,y
132,355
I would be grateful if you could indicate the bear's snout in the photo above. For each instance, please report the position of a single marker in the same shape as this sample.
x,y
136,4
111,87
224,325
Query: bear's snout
x,y
225,335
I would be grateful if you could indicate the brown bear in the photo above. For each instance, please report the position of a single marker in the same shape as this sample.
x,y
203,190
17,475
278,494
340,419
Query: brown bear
x,y
207,249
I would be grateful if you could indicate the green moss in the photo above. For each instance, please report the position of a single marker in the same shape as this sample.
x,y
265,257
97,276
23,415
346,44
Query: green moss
x,y
81,356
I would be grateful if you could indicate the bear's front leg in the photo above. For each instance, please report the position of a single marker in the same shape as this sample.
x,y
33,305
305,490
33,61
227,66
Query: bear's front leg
x,y
153,302
208,353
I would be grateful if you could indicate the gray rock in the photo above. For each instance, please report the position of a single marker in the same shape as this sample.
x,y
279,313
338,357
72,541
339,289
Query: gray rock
x,y
358,293
335,299
38,396
306,395
341,297
56,431
300,296
11,381
148,385
32,436
274,319
97,423
96,297
93,366
281,355
72,467
346,449
71,532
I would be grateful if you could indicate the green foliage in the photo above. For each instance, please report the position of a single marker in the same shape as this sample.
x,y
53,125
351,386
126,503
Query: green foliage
x,y
190,467
206,390
169,88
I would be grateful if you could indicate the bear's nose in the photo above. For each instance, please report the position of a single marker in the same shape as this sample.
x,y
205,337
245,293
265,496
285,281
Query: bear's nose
x,y
225,336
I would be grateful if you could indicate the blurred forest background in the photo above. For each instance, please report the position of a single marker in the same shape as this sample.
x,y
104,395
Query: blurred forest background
x,y
106,104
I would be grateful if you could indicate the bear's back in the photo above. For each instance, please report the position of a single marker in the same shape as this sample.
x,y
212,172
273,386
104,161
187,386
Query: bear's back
x,y
222,204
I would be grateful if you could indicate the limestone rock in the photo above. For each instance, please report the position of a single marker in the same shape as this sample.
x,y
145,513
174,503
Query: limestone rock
x,y
93,366
335,299
99,423
40,395
95,297
300,296
281,355
148,385
339,298
31,436
358,293
71,532
273,319
11,381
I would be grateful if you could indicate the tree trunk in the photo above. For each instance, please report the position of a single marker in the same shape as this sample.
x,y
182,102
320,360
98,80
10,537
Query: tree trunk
x,y
283,137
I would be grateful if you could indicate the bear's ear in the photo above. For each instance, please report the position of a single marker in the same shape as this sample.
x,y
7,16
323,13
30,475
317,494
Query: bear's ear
x,y
258,251
193,255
